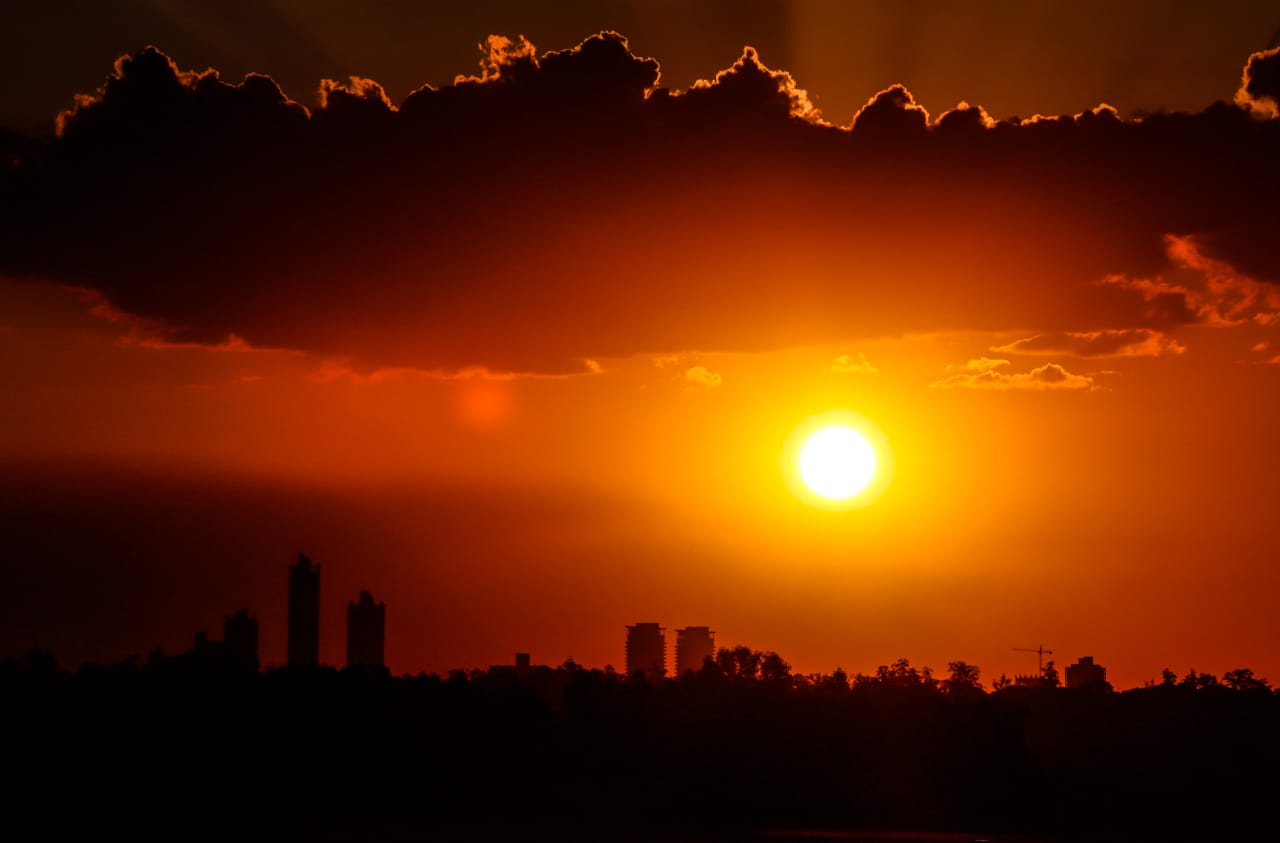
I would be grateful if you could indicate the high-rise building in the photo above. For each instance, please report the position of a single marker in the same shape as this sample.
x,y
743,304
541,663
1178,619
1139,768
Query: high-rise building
x,y
240,636
694,645
366,632
1084,673
304,613
647,650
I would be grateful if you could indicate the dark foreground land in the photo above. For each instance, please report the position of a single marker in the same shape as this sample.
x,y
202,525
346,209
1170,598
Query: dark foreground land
x,y
187,752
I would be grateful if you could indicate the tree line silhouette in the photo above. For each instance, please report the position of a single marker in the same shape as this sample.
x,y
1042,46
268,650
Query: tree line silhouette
x,y
742,745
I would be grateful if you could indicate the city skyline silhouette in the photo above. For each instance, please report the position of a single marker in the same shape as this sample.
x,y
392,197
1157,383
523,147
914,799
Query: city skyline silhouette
x,y
645,652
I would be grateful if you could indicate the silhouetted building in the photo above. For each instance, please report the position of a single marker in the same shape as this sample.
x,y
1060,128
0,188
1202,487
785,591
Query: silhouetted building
x,y
647,650
210,651
366,632
304,613
523,667
240,639
694,645
1085,672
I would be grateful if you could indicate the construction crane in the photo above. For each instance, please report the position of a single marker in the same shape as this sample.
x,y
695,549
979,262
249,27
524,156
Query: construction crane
x,y
1040,652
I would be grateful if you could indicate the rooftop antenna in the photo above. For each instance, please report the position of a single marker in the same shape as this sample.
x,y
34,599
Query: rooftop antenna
x,y
1040,652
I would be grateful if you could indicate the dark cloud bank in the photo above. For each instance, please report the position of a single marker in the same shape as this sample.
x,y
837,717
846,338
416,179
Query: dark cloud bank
x,y
565,206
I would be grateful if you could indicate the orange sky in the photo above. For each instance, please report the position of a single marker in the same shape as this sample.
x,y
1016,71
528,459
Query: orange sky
x,y
520,356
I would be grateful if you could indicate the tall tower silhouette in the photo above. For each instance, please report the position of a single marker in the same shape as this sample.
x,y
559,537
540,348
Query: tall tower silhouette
x,y
646,650
304,612
366,632
694,644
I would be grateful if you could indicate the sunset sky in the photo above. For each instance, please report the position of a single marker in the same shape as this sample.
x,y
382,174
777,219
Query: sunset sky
x,y
510,320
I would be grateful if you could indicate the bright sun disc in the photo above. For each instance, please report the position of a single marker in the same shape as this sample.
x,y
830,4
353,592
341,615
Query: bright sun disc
x,y
837,462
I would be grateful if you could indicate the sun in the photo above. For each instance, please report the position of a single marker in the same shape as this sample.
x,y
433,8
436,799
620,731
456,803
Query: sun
x,y
837,462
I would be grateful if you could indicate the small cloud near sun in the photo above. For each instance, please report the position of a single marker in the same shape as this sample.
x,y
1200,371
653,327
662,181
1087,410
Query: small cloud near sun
x,y
700,376
852,364
982,374
981,364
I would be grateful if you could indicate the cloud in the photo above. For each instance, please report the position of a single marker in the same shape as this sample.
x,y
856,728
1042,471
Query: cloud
x,y
1205,289
563,206
892,112
1131,342
749,90
700,376
1260,84
982,364
1049,377
857,364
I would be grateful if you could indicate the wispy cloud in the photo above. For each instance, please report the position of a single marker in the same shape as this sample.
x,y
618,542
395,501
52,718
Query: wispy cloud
x,y
1207,289
1124,342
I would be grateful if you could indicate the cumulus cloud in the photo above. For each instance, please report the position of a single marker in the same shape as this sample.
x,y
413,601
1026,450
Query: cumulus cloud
x,y
852,364
1049,377
563,206
700,376
750,89
1260,85
893,111
1114,342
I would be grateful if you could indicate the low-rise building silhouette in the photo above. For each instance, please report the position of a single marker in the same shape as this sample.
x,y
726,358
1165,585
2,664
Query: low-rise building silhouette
x,y
206,656
366,632
694,645
523,667
304,613
240,639
647,650
1084,673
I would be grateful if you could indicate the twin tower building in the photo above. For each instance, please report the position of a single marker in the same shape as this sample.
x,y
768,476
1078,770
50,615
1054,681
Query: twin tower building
x,y
366,621
647,649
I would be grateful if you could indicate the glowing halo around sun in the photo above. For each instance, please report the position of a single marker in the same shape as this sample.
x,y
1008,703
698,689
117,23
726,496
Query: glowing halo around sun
x,y
837,460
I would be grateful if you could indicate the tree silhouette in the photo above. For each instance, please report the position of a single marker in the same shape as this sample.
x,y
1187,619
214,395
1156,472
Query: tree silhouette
x,y
773,668
1196,681
962,678
1242,679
